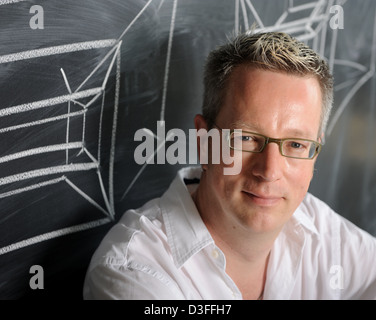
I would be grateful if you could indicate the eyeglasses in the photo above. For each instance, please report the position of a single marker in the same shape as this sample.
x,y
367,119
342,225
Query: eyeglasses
x,y
290,147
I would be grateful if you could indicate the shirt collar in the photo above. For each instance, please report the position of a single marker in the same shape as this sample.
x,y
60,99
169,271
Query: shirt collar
x,y
186,232
302,218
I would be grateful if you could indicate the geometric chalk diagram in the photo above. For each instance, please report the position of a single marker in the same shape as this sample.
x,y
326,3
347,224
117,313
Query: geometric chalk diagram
x,y
76,103
309,22
160,144
87,161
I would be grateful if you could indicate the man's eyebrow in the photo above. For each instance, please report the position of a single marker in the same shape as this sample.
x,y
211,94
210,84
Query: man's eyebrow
x,y
293,133
242,125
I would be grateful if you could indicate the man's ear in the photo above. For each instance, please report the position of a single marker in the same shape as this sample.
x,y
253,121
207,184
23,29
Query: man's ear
x,y
200,122
322,141
202,140
322,138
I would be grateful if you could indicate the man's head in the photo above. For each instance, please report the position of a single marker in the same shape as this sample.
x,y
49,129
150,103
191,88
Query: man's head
x,y
275,51
274,86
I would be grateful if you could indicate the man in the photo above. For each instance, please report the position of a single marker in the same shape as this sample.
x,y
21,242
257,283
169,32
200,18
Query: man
x,y
257,234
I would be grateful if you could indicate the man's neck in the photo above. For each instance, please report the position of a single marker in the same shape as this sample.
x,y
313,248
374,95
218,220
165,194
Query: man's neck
x,y
247,253
229,235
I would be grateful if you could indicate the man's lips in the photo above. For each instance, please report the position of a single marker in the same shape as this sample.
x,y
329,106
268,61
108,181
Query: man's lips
x,y
263,199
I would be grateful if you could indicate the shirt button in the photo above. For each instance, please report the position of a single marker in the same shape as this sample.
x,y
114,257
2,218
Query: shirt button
x,y
215,254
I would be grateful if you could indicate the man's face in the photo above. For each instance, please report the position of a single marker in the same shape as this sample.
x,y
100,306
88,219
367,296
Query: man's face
x,y
269,187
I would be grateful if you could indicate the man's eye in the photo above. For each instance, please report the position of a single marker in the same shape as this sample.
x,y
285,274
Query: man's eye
x,y
250,138
297,145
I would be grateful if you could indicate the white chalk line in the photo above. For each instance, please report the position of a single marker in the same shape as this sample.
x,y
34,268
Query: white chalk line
x,y
105,198
282,18
111,65
108,54
86,197
169,136
67,132
134,20
151,133
160,5
344,84
49,102
255,14
113,135
66,80
91,101
31,187
357,86
82,105
54,234
323,38
68,112
41,150
373,48
237,16
3,2
115,57
100,128
318,8
49,51
47,171
298,25
44,121
245,15
168,58
89,155
83,127
302,7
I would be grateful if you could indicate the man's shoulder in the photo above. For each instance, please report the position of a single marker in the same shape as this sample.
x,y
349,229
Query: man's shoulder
x,y
327,222
134,224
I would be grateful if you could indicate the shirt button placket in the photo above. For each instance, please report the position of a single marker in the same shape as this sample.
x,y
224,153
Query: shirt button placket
x,y
215,254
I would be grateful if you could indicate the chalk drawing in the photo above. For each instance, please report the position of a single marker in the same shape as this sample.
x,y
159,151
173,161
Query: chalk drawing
x,y
314,30
167,66
112,62
164,95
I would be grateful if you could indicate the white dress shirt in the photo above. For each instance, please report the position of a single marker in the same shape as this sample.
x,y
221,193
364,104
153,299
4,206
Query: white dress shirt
x,y
164,251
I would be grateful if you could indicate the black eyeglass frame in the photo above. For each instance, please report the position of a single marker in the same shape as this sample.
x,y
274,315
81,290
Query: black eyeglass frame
x,y
318,145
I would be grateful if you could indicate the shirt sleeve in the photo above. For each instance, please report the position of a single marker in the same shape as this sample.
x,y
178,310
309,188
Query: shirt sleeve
x,y
109,282
359,257
363,267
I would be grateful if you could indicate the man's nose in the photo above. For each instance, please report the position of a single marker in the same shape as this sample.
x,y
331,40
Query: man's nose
x,y
268,165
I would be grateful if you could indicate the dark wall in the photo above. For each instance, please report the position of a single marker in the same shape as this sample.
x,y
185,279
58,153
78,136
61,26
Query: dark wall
x,y
75,91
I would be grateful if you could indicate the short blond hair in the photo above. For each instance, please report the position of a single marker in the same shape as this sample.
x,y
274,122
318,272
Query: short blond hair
x,y
274,51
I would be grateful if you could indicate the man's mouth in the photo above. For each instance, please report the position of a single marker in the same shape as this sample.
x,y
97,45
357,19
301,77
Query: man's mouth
x,y
262,199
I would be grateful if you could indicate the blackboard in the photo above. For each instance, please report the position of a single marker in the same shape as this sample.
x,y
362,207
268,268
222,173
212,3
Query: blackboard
x,y
80,77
